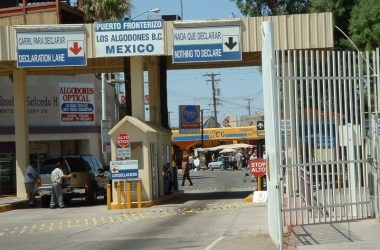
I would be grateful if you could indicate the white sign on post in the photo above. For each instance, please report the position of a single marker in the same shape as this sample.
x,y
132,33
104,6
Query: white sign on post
x,y
130,38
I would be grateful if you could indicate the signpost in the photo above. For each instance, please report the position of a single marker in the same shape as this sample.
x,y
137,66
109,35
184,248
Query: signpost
x,y
258,168
51,46
206,44
129,38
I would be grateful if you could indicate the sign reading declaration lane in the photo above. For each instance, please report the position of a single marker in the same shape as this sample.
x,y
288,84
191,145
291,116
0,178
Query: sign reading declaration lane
x,y
129,38
206,44
50,46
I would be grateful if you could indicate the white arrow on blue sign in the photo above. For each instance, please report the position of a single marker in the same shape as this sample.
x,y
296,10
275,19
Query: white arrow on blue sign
x,y
50,48
206,44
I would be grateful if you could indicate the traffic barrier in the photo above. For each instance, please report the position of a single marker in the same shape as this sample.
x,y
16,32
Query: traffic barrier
x,y
124,193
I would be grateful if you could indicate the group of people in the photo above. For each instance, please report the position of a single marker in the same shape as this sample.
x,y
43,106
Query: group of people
x,y
57,177
242,159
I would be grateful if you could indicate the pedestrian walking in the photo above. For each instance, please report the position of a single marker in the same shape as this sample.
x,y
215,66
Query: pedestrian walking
x,y
186,172
57,178
30,181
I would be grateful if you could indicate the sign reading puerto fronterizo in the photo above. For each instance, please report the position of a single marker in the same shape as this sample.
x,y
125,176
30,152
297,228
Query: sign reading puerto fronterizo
x,y
123,140
42,46
258,167
206,44
129,38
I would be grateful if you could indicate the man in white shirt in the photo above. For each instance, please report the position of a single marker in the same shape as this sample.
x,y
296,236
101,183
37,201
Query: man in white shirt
x,y
30,182
57,177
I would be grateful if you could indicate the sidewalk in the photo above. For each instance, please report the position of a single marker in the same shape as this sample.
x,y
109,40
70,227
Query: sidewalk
x,y
358,234
10,202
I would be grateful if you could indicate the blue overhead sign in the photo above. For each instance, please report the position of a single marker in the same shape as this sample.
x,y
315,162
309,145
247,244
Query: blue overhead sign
x,y
43,46
129,38
206,44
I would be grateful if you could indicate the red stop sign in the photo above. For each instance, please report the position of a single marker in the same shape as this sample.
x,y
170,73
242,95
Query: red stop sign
x,y
258,167
123,140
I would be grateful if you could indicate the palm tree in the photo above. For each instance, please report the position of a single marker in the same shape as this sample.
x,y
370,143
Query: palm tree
x,y
106,10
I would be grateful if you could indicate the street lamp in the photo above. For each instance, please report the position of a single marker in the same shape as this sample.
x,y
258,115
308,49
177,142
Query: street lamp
x,y
155,10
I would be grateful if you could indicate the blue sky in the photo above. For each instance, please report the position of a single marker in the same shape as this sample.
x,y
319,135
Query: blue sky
x,y
190,87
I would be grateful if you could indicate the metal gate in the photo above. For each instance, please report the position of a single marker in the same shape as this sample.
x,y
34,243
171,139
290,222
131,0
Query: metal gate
x,y
327,102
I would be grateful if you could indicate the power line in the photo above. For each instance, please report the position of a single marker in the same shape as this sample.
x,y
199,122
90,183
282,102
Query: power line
x,y
214,93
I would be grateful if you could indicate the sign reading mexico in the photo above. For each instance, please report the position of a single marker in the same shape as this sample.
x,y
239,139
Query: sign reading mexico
x,y
76,102
42,47
129,38
128,169
206,44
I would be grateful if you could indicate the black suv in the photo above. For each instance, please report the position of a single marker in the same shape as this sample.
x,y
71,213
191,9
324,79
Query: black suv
x,y
89,178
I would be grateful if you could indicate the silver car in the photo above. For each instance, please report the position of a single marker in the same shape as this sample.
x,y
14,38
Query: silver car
x,y
218,163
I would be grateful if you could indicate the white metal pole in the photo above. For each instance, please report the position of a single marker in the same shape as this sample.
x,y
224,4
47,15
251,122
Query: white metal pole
x,y
272,134
103,96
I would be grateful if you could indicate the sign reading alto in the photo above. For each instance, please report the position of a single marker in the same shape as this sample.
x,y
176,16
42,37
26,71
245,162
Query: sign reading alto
x,y
206,44
129,38
51,45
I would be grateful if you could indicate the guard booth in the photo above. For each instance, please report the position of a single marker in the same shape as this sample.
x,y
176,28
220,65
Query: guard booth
x,y
150,145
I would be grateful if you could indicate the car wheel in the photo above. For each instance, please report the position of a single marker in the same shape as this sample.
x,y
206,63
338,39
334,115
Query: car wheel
x,y
92,196
45,200
212,169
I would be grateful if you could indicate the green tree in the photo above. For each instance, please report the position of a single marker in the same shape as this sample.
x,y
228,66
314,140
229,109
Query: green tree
x,y
106,10
341,10
271,7
364,26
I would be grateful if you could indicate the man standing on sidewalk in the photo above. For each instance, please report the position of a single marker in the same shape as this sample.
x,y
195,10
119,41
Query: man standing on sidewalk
x,y
31,182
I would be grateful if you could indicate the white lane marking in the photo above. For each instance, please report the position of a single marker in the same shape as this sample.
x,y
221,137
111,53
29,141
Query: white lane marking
x,y
214,243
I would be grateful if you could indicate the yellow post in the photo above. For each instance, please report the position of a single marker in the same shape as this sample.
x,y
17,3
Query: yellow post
x,y
118,190
125,193
259,183
108,196
128,194
139,194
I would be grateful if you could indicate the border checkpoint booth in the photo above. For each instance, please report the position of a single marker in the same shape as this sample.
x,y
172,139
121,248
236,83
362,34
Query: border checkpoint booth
x,y
150,145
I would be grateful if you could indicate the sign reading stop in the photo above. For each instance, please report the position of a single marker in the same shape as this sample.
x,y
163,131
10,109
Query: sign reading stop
x,y
123,140
258,167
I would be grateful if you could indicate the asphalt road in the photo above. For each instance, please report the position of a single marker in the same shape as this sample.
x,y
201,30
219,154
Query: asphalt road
x,y
211,214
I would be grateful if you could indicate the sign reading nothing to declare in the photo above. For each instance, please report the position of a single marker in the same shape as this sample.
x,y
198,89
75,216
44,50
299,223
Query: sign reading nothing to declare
x,y
129,38
206,44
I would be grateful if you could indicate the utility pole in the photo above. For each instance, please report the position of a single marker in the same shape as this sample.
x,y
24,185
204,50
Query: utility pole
x,y
249,104
202,131
214,101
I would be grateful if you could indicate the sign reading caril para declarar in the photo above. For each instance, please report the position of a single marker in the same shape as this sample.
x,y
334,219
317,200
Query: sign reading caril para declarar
x,y
129,38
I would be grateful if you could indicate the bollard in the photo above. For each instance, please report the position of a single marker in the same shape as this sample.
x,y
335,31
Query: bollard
x,y
128,194
118,190
108,196
139,194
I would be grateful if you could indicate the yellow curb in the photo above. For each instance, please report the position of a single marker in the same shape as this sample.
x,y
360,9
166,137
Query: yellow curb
x,y
5,208
249,199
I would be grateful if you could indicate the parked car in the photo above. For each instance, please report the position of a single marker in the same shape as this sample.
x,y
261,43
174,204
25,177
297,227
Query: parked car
x,y
218,163
89,178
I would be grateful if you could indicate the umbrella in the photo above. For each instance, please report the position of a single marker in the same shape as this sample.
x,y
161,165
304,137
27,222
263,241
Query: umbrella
x,y
228,150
